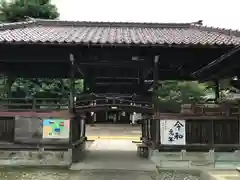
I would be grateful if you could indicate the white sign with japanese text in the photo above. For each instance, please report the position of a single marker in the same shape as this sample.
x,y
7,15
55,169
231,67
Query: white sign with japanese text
x,y
173,132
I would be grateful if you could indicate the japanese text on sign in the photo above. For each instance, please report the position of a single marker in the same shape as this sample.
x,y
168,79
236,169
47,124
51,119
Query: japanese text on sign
x,y
173,132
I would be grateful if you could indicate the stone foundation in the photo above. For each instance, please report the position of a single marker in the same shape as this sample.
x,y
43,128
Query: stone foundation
x,y
197,160
35,158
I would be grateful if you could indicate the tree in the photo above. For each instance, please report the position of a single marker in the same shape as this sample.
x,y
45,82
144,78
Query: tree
x,y
19,10
171,94
46,88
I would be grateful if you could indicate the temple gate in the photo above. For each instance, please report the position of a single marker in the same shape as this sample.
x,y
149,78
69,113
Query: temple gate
x,y
121,65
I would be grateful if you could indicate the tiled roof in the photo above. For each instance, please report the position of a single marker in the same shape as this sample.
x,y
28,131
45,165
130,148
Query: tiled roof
x,y
54,31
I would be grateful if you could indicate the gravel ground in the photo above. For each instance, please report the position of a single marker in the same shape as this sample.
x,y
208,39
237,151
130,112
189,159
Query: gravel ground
x,y
43,174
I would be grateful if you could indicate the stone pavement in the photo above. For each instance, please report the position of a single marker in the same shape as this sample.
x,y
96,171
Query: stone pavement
x,y
114,155
113,131
220,175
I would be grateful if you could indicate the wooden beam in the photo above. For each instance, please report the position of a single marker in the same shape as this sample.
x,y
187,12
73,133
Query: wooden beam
x,y
147,73
182,116
217,61
28,113
113,83
13,61
79,70
116,78
131,64
223,72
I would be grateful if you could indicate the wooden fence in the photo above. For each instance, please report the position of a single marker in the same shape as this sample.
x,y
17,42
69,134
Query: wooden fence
x,y
7,129
201,134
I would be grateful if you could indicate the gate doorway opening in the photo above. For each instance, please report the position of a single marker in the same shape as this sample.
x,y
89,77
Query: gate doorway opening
x,y
113,117
112,146
113,132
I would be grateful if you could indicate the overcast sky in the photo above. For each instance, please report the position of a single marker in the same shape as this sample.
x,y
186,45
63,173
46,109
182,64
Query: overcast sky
x,y
220,13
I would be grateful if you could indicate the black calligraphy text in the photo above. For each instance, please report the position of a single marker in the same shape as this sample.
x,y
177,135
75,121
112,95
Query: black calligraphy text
x,y
174,136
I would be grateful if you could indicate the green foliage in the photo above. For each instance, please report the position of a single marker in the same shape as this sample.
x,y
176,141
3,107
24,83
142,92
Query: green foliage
x,y
19,10
171,94
44,88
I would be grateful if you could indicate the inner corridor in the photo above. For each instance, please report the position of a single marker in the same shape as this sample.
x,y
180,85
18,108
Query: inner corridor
x,y
111,148
113,131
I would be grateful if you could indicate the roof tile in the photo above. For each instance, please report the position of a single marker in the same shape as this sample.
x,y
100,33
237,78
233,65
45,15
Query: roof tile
x,y
116,33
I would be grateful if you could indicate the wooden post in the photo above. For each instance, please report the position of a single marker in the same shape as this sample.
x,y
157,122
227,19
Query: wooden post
x,y
217,91
143,128
74,134
71,99
84,85
72,84
83,135
155,88
94,118
212,125
93,115
78,132
83,125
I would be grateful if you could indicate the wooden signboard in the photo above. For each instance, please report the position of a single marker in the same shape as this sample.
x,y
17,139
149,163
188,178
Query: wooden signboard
x,y
173,132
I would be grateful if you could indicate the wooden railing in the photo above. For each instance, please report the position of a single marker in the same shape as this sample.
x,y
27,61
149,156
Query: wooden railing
x,y
113,99
33,104
224,109
54,104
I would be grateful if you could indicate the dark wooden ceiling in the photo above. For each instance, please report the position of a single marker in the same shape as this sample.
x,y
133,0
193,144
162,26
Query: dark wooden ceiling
x,y
108,68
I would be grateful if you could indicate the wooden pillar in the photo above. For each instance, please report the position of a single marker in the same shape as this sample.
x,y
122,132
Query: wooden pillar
x,y
144,127
82,125
85,91
140,87
74,123
85,87
94,118
238,118
217,91
72,84
71,99
93,115
90,83
155,88
78,138
82,134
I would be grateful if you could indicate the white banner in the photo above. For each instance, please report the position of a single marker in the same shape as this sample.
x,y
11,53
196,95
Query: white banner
x,y
173,132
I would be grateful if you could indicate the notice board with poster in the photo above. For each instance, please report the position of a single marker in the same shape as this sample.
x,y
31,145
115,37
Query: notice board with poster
x,y
173,132
56,129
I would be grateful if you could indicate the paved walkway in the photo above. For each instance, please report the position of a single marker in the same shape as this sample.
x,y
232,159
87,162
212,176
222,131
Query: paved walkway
x,y
113,131
222,175
114,155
